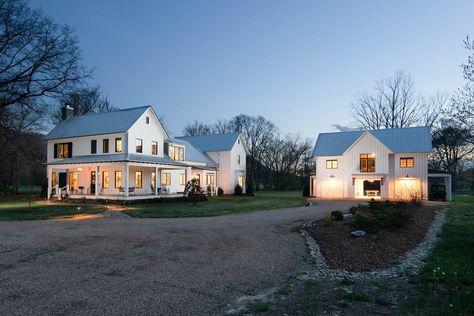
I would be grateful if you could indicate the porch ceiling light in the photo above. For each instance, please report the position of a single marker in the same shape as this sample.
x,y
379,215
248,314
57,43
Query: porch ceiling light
x,y
79,169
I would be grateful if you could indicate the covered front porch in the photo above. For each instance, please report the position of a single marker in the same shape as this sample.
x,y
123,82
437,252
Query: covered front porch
x,y
123,180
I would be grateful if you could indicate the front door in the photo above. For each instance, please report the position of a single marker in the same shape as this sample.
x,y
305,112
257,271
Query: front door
x,y
92,182
62,181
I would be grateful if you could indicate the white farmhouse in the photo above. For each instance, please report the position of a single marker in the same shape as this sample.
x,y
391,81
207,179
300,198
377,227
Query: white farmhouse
x,y
386,164
128,155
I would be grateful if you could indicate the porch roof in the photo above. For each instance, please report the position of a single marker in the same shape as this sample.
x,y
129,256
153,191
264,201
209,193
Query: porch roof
x,y
122,158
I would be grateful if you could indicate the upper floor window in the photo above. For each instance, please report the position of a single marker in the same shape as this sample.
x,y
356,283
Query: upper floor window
x,y
118,145
139,145
407,162
93,146
105,146
147,119
63,150
367,162
331,164
238,159
176,153
154,148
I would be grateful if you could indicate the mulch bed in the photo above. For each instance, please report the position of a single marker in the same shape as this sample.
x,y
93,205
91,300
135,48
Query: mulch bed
x,y
375,251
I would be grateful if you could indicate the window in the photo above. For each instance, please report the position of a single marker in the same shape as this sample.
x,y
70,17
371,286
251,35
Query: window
x,y
105,146
176,153
241,181
238,141
94,146
118,179
166,178
331,164
182,179
407,162
54,179
367,162
118,145
73,181
147,119
138,179
154,148
153,175
63,150
210,179
139,145
238,159
105,179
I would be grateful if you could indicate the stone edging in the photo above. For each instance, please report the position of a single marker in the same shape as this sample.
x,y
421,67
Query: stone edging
x,y
410,263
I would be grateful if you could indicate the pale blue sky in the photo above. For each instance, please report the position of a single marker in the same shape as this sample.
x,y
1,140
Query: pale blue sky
x,y
298,63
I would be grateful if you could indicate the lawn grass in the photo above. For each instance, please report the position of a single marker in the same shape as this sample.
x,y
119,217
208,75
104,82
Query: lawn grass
x,y
16,208
221,205
446,284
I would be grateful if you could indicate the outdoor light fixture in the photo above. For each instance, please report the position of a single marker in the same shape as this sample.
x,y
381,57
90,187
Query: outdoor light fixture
x,y
79,169
408,176
332,176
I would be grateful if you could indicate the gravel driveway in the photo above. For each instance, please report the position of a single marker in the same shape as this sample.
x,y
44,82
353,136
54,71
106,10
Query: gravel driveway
x,y
153,266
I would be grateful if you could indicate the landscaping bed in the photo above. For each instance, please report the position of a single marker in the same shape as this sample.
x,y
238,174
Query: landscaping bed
x,y
392,229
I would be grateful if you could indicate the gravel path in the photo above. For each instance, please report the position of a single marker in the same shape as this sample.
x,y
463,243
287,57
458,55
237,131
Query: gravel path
x,y
150,266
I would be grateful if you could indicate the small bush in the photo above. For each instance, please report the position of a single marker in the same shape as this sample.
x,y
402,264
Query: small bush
x,y
383,214
356,296
337,215
220,192
358,208
363,221
238,190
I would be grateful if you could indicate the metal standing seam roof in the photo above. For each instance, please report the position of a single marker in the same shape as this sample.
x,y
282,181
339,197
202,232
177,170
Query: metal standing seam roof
x,y
398,140
120,158
97,123
213,142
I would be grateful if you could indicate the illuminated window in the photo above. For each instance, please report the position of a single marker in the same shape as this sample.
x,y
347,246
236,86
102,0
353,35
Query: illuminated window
x,y
118,179
118,145
73,181
166,178
154,148
331,164
367,162
138,179
105,179
182,179
94,146
210,179
63,150
408,162
54,180
139,145
105,146
238,159
176,153
241,181
153,175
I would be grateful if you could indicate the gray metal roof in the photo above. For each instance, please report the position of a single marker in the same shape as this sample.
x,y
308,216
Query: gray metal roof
x,y
398,140
194,154
213,142
97,123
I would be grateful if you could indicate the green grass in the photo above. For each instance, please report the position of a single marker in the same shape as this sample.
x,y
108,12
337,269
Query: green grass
x,y
16,208
221,205
355,296
446,284
261,307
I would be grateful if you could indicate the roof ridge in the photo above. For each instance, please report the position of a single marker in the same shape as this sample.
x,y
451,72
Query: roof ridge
x,y
118,110
214,134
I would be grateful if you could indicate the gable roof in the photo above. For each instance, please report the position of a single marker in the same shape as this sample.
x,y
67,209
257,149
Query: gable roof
x,y
97,123
194,154
213,142
398,140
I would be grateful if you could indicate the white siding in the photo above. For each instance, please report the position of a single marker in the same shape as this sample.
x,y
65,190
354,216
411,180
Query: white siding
x,y
147,132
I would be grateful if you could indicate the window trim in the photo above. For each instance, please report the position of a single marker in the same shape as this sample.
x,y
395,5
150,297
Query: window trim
x,y
115,178
118,140
172,153
210,176
332,164
139,146
367,157
238,159
182,179
165,176
62,150
406,159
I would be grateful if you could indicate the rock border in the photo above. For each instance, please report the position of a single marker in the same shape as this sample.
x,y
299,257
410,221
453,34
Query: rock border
x,y
410,263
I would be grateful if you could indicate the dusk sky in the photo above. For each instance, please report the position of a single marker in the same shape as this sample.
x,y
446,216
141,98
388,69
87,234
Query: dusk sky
x,y
298,63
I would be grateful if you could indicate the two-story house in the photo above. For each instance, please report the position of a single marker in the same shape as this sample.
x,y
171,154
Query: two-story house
x,y
386,163
127,154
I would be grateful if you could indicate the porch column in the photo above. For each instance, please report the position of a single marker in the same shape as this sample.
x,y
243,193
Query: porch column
x,y
49,176
97,179
126,178
449,189
156,181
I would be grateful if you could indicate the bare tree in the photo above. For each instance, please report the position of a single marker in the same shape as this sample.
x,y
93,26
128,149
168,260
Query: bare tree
x,y
197,128
393,104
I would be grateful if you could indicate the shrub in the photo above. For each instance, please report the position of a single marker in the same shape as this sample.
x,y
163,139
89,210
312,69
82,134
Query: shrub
x,y
383,214
337,215
220,192
363,221
238,190
358,208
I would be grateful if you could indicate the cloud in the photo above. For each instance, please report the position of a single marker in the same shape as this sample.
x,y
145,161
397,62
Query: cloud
x,y
342,128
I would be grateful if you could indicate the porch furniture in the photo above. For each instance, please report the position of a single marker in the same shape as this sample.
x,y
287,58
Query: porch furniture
x,y
372,193
81,189
130,190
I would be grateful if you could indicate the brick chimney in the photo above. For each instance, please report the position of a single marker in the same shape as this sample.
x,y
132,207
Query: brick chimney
x,y
66,112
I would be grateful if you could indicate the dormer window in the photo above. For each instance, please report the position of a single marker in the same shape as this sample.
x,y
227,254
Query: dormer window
x,y
331,164
176,153
367,162
407,162
139,145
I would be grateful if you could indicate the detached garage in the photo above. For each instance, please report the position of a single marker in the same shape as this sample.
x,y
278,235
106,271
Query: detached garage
x,y
439,185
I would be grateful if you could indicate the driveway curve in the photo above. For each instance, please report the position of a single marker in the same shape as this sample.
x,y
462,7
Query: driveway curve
x,y
184,266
